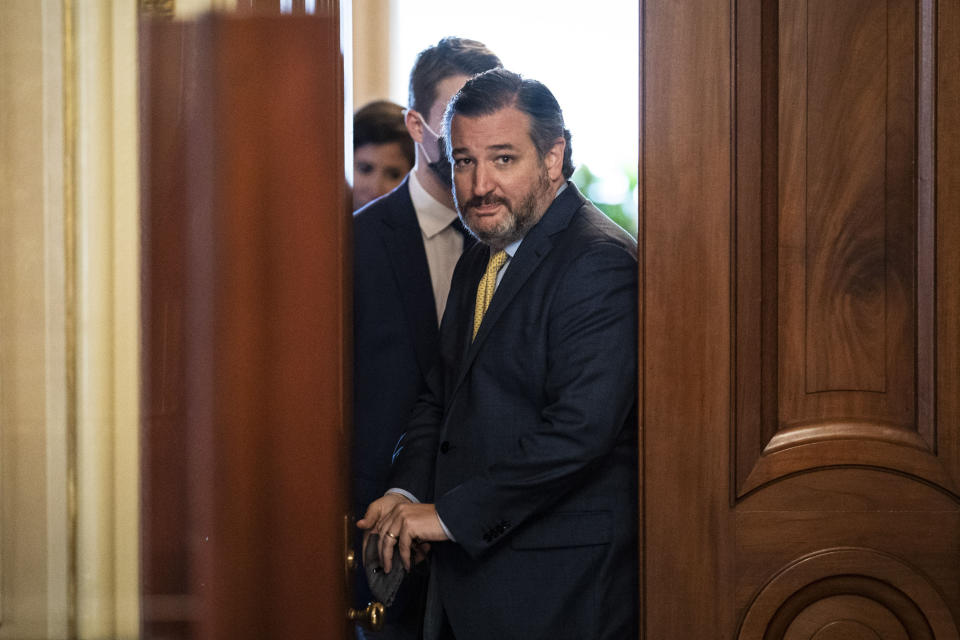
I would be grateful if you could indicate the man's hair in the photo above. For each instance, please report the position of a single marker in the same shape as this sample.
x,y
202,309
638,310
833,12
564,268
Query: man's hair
x,y
498,89
381,122
450,57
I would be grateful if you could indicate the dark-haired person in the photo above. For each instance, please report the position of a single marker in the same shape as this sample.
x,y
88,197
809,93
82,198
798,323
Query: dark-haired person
x,y
406,245
517,472
383,151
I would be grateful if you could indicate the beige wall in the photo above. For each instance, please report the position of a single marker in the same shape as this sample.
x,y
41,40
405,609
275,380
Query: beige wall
x,y
34,531
68,319
371,50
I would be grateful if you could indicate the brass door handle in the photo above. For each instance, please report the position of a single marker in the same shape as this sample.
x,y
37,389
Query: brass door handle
x,y
369,618
350,561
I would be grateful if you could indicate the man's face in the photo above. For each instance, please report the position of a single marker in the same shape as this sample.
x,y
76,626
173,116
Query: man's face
x,y
501,185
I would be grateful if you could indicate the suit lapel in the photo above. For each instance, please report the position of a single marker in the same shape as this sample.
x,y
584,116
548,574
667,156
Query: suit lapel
x,y
534,248
403,241
531,252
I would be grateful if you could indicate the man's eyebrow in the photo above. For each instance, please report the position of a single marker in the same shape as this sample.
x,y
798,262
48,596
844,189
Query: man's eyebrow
x,y
506,146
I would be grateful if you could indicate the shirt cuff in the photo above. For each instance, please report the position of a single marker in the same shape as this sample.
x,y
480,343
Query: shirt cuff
x,y
445,530
406,494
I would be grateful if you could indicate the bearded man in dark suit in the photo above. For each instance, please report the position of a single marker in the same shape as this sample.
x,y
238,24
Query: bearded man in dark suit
x,y
517,472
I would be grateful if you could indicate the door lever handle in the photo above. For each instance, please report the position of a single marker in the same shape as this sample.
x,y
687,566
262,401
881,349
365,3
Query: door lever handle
x,y
350,563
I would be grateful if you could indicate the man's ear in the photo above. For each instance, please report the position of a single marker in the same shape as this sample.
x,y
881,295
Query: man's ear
x,y
414,122
553,160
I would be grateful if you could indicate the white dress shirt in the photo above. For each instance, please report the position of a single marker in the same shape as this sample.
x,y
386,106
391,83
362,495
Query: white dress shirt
x,y
442,243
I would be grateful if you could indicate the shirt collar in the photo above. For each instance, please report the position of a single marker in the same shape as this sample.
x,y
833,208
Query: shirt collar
x,y
511,248
433,215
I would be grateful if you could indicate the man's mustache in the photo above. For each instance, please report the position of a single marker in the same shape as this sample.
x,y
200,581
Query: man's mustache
x,y
481,201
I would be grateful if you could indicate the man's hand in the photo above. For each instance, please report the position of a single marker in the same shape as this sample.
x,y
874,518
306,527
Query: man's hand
x,y
378,509
404,524
375,513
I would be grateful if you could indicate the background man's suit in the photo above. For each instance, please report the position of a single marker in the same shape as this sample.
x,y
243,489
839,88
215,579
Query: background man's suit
x,y
395,340
395,332
526,439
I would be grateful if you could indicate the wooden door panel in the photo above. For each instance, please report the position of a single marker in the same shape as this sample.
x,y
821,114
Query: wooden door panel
x,y
870,514
847,241
246,313
846,214
800,326
848,593
853,316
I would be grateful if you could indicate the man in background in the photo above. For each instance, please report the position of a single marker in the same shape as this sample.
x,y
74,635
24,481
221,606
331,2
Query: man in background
x,y
406,245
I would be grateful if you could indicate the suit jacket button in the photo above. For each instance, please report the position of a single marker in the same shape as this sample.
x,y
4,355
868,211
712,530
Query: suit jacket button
x,y
444,446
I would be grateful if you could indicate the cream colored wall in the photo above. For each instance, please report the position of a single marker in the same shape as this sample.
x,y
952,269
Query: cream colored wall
x,y
187,9
371,50
68,320
34,531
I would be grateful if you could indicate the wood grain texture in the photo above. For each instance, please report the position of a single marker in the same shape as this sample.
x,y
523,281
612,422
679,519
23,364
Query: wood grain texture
x,y
264,294
833,317
837,511
844,124
847,222
810,591
686,219
948,234
850,507
167,600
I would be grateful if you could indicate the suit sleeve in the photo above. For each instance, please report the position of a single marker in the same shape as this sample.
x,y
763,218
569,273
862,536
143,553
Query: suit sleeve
x,y
590,388
413,459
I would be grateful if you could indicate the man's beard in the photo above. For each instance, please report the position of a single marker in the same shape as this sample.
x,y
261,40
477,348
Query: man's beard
x,y
518,220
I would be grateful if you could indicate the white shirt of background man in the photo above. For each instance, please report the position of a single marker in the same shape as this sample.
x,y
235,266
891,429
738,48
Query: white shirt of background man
x,y
442,242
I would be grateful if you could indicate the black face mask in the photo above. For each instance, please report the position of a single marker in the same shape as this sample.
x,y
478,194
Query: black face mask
x,y
442,167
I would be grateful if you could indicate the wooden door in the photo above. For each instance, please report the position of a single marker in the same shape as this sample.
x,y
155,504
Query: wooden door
x,y
246,328
801,319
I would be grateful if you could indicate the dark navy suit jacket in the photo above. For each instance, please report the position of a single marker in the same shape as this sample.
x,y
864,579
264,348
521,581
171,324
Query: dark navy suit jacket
x,y
526,439
395,345
395,333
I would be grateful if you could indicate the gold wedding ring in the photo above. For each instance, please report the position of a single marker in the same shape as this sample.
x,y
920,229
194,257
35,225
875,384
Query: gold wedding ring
x,y
391,535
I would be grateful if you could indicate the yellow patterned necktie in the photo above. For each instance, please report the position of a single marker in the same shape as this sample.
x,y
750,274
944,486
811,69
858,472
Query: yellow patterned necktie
x,y
486,288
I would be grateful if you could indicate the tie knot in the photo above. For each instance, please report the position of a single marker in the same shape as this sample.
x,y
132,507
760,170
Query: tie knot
x,y
497,260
